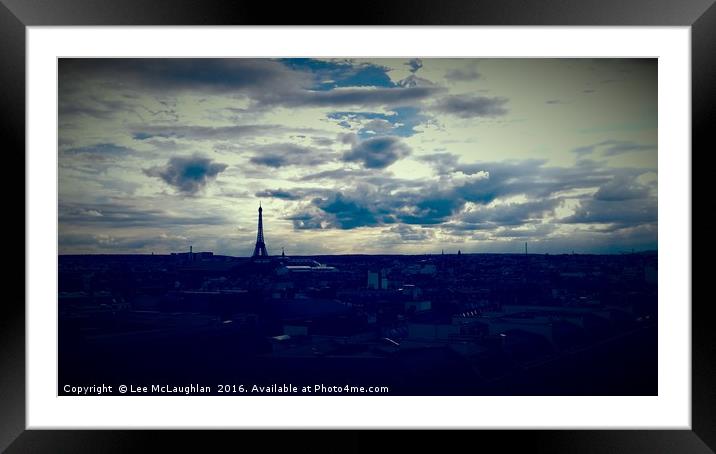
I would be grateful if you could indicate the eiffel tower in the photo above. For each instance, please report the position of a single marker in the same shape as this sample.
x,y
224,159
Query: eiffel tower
x,y
260,248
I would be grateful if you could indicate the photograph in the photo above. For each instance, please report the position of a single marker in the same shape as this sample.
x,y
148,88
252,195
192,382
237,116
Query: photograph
x,y
401,226
438,219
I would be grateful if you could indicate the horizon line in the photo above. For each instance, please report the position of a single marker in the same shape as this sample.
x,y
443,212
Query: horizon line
x,y
363,254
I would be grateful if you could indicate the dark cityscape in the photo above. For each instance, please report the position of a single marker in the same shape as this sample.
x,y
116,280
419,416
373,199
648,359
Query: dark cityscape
x,y
448,323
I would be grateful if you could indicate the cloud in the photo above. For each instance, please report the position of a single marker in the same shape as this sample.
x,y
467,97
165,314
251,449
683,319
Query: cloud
x,y
322,141
399,121
121,215
350,96
266,82
622,188
215,75
291,194
311,219
346,213
338,174
509,214
100,149
173,108
377,152
279,194
585,150
442,162
620,214
135,242
463,197
613,147
415,81
287,154
472,106
94,107
526,232
462,74
378,126
203,132
415,64
410,233
187,174
531,176
328,74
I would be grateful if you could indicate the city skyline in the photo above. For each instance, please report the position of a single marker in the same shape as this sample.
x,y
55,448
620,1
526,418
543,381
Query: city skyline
x,y
357,156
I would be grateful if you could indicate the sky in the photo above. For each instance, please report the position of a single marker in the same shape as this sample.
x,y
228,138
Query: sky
x,y
345,155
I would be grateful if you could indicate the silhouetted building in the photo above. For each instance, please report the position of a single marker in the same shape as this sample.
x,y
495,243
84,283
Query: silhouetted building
x,y
260,248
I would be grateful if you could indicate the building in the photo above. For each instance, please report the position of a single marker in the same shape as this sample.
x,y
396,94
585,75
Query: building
x,y
260,248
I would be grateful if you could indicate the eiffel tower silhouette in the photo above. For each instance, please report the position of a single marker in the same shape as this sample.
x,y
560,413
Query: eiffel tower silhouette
x,y
260,248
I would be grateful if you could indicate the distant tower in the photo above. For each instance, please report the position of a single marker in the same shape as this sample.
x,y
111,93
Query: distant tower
x,y
525,248
260,248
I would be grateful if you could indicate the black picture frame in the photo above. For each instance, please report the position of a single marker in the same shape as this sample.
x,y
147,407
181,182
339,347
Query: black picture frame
x,y
16,15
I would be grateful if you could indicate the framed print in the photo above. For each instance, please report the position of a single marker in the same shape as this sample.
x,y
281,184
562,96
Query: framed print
x,y
443,219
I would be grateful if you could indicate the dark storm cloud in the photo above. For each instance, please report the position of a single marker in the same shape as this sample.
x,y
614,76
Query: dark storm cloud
x,y
118,215
187,174
472,106
377,152
287,154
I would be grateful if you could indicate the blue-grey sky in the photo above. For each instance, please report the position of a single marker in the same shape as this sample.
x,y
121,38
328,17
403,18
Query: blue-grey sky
x,y
357,155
